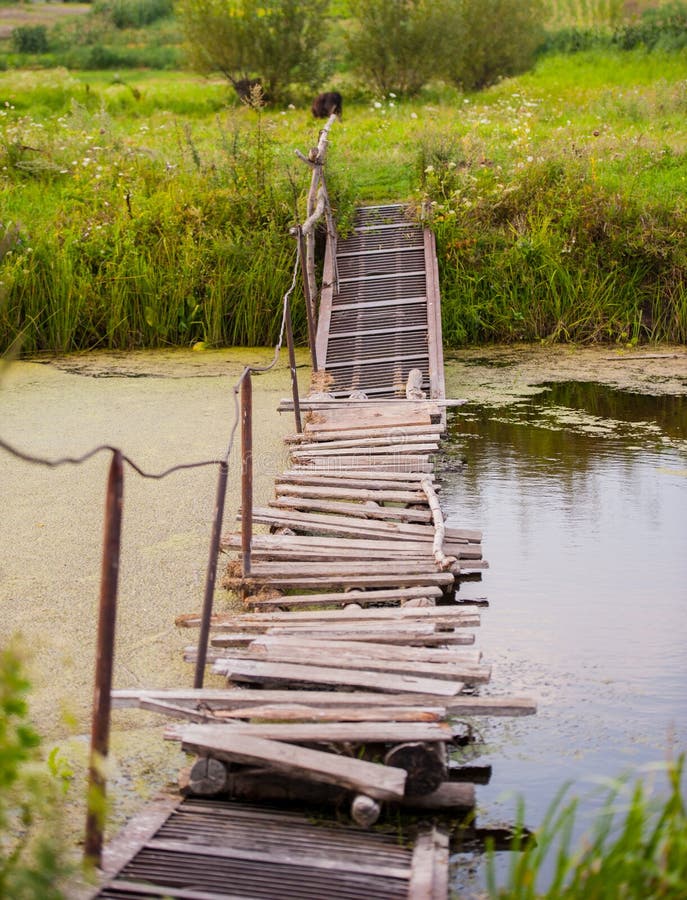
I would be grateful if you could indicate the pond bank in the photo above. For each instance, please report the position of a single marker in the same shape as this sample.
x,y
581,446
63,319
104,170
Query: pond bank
x,y
163,408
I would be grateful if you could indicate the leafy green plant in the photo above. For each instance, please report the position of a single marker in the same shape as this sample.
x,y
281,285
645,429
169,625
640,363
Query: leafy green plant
x,y
32,860
30,39
636,848
276,41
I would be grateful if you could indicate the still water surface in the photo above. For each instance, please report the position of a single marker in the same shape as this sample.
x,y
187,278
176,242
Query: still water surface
x,y
582,495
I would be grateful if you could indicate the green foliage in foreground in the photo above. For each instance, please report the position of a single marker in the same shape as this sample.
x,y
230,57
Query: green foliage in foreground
x,y
636,849
31,856
150,210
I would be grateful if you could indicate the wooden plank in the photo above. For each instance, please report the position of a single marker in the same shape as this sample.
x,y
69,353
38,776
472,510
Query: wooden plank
x,y
371,650
353,448
429,866
380,782
413,637
305,582
258,671
361,495
301,601
340,524
398,438
408,478
346,568
439,614
358,660
138,830
279,856
324,433
351,482
339,732
301,713
357,510
238,698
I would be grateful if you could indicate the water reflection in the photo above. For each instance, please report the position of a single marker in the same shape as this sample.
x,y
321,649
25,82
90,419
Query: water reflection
x,y
582,495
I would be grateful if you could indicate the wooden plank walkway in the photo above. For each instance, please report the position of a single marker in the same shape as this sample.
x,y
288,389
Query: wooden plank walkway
x,y
351,670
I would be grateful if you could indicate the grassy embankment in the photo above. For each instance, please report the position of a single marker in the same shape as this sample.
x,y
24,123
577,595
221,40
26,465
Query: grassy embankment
x,y
146,209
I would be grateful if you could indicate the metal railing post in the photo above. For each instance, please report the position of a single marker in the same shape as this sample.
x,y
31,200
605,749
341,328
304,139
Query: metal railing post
x,y
292,366
246,471
104,663
211,575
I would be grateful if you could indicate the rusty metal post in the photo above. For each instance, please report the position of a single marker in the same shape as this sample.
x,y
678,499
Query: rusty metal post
x,y
100,726
292,366
309,311
246,471
210,575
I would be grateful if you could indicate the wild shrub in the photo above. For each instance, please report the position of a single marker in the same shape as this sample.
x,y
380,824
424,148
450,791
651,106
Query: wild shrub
x,y
277,41
30,39
398,45
134,13
492,39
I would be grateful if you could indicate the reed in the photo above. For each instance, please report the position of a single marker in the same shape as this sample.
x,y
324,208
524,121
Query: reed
x,y
636,847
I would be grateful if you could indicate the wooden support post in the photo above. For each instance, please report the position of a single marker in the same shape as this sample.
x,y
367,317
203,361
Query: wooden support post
x,y
210,575
246,471
309,309
292,367
100,727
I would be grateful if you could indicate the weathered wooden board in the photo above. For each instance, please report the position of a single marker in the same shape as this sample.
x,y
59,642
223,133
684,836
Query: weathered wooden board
x,y
266,672
380,782
429,866
357,510
327,581
371,650
437,614
239,698
357,659
338,732
361,495
301,713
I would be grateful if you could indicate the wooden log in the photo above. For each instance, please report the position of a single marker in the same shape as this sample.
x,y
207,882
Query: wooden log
x,y
365,450
377,781
412,478
352,481
365,811
343,569
396,440
425,763
258,785
443,561
208,777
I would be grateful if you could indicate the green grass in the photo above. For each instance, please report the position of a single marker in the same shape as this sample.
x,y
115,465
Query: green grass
x,y
635,849
148,208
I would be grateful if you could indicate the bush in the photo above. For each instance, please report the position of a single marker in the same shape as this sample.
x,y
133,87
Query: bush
x,y
30,39
276,41
398,45
134,13
491,39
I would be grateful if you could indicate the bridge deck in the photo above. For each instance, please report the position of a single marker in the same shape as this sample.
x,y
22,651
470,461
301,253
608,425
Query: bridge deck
x,y
353,660
385,319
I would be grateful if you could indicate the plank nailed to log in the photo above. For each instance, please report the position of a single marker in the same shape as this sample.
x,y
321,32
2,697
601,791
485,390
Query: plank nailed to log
x,y
372,779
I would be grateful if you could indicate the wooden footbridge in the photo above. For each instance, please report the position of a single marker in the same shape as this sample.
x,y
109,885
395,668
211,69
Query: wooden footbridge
x,y
353,669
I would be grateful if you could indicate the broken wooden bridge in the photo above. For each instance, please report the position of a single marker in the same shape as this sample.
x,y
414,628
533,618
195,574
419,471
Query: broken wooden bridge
x,y
353,668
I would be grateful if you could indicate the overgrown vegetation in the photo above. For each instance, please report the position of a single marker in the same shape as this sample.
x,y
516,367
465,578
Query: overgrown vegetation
x,y
32,858
636,849
145,210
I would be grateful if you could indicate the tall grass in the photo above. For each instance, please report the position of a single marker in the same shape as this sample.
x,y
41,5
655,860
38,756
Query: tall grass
x,y
150,209
636,849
